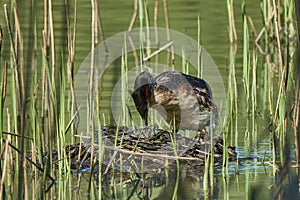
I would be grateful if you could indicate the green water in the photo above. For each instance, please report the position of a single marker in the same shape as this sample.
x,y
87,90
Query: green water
x,y
252,136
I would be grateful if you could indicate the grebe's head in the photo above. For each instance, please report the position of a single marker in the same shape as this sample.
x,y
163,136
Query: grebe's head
x,y
143,93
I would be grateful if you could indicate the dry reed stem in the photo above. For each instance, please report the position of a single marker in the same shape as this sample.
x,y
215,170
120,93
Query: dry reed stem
x,y
93,82
52,43
166,12
281,85
252,26
45,85
296,113
21,49
110,162
69,39
15,59
232,29
101,29
1,38
4,87
233,23
33,155
44,82
169,44
155,19
154,155
20,100
93,162
25,181
74,32
71,55
78,182
96,22
281,67
133,19
9,138
6,158
16,135
257,39
53,70
296,122
45,30
79,152
135,54
277,17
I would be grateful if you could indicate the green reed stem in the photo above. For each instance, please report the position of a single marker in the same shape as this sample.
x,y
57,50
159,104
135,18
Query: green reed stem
x,y
200,60
124,87
206,176
184,64
282,126
2,99
254,95
246,69
174,145
141,13
212,153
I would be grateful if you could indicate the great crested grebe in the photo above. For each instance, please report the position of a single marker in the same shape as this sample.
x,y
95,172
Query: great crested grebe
x,y
186,99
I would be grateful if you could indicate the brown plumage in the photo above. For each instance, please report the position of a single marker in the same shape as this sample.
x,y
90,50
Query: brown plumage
x,y
178,96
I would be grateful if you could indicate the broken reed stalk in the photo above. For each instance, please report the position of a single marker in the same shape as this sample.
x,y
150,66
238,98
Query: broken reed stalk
x,y
155,53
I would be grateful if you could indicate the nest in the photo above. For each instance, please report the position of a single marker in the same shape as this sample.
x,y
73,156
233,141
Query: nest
x,y
146,149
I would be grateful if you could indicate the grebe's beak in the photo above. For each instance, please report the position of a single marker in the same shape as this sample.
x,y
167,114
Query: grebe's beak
x,y
141,97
